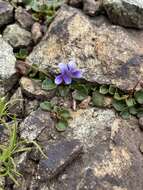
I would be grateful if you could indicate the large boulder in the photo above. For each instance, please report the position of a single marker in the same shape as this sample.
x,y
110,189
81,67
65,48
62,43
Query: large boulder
x,y
7,67
127,13
107,53
111,158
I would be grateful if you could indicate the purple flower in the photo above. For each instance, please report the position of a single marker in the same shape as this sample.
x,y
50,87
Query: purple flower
x,y
68,72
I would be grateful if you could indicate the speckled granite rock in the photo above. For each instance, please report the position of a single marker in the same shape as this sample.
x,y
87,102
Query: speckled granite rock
x,y
33,124
7,67
128,13
107,53
17,36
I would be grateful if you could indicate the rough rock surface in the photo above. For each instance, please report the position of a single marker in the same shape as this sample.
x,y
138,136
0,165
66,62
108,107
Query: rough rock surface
x,y
108,54
33,88
24,18
7,67
60,155
17,103
17,36
6,13
127,13
111,159
33,125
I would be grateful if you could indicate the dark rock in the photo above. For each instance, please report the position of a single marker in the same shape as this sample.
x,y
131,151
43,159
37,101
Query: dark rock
x,y
128,13
16,106
24,18
141,123
6,13
92,7
60,155
34,124
76,3
141,148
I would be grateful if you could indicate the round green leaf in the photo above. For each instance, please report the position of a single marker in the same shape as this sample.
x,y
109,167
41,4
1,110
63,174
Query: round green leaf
x,y
140,112
47,106
48,84
61,126
133,110
98,99
139,96
104,89
78,95
125,114
63,90
119,105
112,89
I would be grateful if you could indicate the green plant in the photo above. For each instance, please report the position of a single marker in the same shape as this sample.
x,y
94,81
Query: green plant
x,y
22,54
13,145
44,11
62,114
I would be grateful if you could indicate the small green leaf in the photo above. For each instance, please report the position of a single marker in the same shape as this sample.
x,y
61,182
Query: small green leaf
x,y
139,96
104,89
130,102
78,95
112,89
63,90
133,110
48,84
22,54
117,96
140,112
61,126
47,106
125,114
64,114
98,99
119,105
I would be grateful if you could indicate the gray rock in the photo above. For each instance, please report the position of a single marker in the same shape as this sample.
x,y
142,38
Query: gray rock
x,y
30,106
128,13
36,32
24,18
17,36
107,54
92,7
34,124
6,13
75,3
33,88
111,159
16,105
7,67
60,155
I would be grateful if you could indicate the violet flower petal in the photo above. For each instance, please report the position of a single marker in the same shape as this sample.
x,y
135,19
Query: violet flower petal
x,y
58,79
63,67
77,74
71,65
67,79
